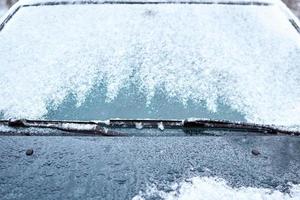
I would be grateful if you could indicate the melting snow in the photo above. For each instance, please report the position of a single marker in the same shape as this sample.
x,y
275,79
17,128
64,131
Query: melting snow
x,y
160,126
203,188
138,125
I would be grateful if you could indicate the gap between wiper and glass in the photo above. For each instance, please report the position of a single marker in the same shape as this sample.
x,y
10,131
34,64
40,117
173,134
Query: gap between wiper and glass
x,y
108,127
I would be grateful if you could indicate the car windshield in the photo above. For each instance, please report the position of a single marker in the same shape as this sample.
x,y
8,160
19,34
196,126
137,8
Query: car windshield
x,y
159,61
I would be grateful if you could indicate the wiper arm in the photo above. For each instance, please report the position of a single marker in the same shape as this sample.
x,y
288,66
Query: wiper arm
x,y
102,128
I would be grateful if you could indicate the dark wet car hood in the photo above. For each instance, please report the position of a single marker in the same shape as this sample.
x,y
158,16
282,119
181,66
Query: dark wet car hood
x,y
121,167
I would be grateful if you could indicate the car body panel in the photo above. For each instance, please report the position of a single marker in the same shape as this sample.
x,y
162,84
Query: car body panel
x,y
121,167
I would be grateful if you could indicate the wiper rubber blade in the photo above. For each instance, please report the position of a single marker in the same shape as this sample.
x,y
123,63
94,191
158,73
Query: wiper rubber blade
x,y
82,127
236,126
189,125
103,128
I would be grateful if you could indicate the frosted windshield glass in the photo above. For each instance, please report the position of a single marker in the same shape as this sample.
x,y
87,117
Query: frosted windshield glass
x,y
151,61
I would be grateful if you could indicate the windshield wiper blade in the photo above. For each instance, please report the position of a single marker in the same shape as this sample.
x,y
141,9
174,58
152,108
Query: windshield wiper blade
x,y
81,127
237,126
103,128
189,125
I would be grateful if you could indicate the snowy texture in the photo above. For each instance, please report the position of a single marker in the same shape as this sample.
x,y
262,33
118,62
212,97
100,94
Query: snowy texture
x,y
160,126
3,9
139,126
246,57
216,1
203,188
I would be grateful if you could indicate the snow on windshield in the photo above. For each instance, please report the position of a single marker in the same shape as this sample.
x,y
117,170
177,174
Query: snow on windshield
x,y
163,1
199,188
120,60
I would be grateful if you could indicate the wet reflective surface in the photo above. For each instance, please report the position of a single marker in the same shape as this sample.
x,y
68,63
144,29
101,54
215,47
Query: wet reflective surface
x,y
120,167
